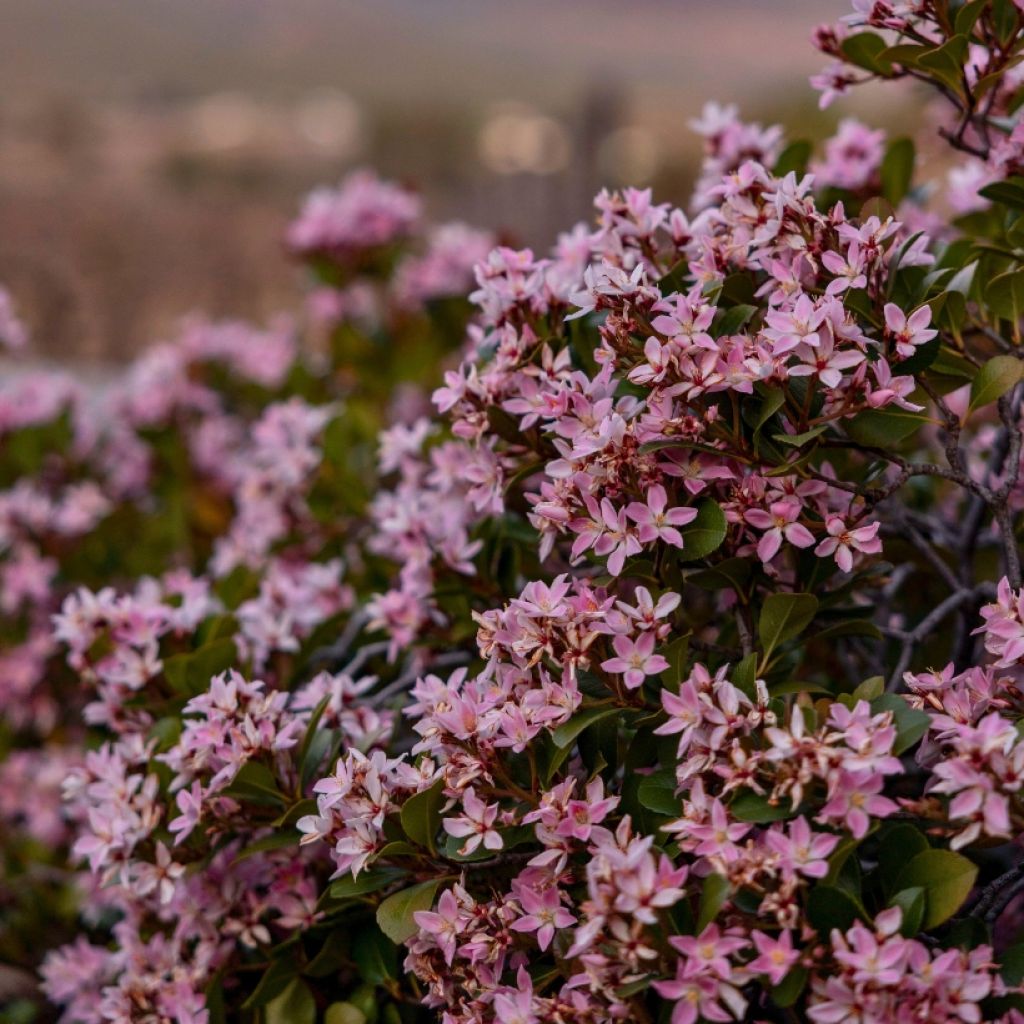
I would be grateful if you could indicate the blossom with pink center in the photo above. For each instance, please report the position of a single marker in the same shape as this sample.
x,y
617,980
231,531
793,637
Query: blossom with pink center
x,y
657,523
190,803
477,823
848,271
583,815
543,913
906,332
635,659
444,924
842,541
801,851
775,956
780,523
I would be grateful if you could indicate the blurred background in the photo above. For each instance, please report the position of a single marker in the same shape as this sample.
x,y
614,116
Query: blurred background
x,y
151,151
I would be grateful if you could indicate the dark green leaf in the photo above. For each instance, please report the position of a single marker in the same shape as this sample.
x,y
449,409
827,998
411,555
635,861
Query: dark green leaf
x,y
344,1013
1004,295
883,427
912,902
375,955
754,808
395,914
295,1005
784,616
795,157
705,534
657,792
713,895
867,50
788,991
829,907
567,732
947,879
421,815
897,170
998,376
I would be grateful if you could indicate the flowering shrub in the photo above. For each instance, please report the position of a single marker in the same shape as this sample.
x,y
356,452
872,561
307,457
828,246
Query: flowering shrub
x,y
670,670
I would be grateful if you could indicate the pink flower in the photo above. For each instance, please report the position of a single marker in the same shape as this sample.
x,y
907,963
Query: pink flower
x,y
908,333
801,851
635,659
849,272
779,524
774,956
583,815
544,913
657,524
477,823
190,803
842,542
444,924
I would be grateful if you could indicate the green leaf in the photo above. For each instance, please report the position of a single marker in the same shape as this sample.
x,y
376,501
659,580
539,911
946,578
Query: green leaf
x,y
795,157
883,427
732,573
947,879
900,843
830,907
1009,192
867,50
705,534
395,914
421,815
799,440
295,1005
367,882
788,991
772,399
946,63
998,376
1012,970
311,728
952,364
256,783
732,320
967,17
657,792
1004,295
274,980
344,1013
784,616
713,895
870,689
375,955
897,170
275,841
567,732
191,673
849,627
912,903
752,807
744,675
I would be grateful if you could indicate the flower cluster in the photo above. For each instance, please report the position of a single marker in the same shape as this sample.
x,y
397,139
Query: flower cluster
x,y
609,690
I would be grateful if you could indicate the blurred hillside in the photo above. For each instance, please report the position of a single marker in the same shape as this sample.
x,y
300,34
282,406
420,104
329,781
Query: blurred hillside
x,y
152,150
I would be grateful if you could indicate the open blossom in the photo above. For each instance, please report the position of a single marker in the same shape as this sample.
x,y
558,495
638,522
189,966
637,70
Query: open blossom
x,y
775,956
779,523
655,522
635,659
842,541
542,913
476,825
908,333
